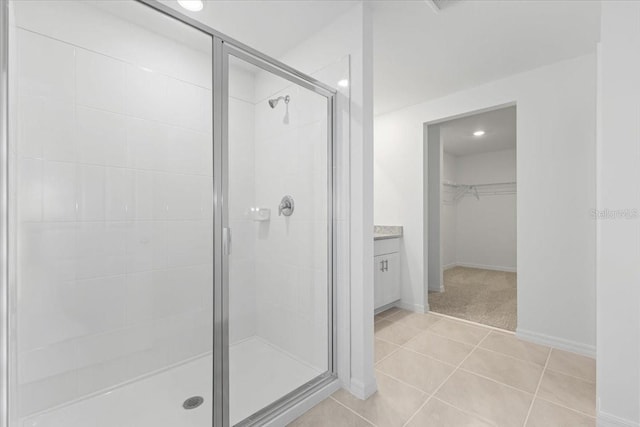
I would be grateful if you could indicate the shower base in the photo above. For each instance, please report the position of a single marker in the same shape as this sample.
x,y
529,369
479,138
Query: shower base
x,y
260,373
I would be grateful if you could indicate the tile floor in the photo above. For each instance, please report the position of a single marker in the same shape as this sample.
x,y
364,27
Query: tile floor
x,y
435,371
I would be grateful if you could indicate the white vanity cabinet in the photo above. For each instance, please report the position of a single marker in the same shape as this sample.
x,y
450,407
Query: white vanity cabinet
x,y
386,276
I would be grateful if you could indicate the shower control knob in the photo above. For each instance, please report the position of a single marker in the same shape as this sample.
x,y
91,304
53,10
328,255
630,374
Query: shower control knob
x,y
286,206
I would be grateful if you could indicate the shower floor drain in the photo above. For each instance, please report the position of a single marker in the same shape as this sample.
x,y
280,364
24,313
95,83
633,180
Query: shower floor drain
x,y
193,402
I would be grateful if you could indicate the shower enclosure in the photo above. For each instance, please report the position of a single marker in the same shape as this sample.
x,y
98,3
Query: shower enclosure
x,y
167,222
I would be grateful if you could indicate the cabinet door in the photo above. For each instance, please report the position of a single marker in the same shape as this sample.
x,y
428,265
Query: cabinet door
x,y
392,278
378,280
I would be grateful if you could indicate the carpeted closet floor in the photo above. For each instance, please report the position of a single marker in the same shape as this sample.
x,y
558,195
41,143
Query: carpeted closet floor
x,y
483,296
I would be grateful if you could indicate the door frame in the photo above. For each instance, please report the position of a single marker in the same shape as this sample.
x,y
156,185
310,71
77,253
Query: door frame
x,y
221,195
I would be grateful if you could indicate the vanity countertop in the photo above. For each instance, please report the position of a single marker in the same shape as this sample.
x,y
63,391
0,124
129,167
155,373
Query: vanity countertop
x,y
381,232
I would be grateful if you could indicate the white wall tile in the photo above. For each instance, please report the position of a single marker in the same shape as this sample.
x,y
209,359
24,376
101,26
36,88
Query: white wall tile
x,y
146,246
100,81
118,161
189,243
188,106
91,197
99,304
189,152
180,290
59,191
101,137
101,249
145,93
119,194
46,67
142,195
147,144
30,189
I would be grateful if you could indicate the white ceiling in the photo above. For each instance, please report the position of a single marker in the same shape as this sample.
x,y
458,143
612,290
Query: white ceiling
x,y
271,26
422,55
500,127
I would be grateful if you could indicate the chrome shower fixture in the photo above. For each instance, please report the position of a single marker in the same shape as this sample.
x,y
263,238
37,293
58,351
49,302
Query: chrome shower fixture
x,y
273,102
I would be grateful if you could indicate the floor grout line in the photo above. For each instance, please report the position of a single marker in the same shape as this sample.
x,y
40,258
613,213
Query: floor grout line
x,y
433,395
535,395
458,367
444,402
351,410
571,376
402,382
451,365
566,407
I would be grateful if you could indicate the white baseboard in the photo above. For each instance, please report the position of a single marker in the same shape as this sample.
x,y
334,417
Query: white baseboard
x,y
416,308
608,420
386,307
449,266
363,391
559,343
485,267
305,405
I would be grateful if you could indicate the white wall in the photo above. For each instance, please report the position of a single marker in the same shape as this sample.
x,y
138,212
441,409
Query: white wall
x,y
114,228
556,189
485,233
618,382
448,218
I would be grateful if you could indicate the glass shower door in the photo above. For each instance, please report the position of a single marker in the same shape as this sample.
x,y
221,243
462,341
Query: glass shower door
x,y
113,220
278,216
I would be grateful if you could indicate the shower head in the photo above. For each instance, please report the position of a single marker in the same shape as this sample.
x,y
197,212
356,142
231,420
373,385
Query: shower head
x,y
273,102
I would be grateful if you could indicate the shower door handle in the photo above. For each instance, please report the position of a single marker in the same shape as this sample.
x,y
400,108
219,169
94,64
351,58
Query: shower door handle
x,y
226,241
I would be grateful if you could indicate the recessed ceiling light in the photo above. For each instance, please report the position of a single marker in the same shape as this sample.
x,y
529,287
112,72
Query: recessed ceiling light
x,y
192,5
343,83
478,133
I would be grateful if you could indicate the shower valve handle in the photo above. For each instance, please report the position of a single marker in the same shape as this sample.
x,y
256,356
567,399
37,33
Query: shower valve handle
x,y
286,206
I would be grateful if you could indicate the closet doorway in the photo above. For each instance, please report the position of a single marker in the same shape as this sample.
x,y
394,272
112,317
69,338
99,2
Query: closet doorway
x,y
471,216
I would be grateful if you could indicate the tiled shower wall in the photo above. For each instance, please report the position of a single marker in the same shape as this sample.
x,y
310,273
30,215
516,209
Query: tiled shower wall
x,y
278,268
242,270
291,252
114,221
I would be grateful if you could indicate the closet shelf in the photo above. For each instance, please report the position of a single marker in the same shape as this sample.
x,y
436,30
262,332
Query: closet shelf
x,y
484,189
453,184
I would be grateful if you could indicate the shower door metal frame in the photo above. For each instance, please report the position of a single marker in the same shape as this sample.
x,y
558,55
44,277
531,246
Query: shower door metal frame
x,y
305,390
222,46
4,213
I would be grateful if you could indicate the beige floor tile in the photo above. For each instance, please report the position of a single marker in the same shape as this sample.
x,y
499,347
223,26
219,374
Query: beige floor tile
x,y
329,413
547,414
389,312
378,317
512,346
488,399
415,369
398,315
438,414
573,364
391,406
505,369
394,332
568,391
439,347
416,320
383,349
459,331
